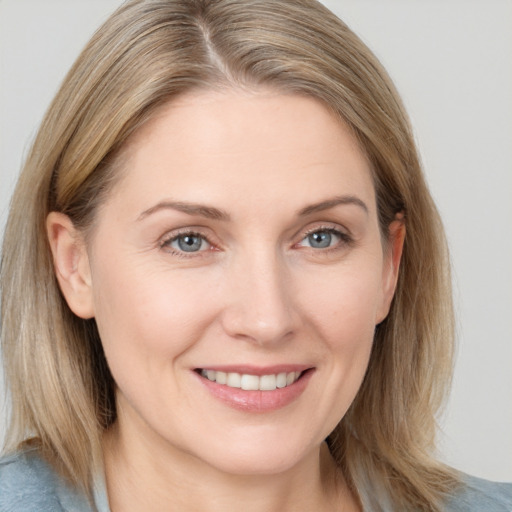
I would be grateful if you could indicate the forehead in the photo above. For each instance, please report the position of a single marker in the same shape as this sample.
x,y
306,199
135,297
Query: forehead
x,y
262,145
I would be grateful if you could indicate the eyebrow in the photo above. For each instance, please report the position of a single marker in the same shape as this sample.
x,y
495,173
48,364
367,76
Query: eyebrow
x,y
208,212
331,203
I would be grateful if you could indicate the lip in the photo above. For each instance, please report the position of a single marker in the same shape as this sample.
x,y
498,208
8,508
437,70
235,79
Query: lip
x,y
257,401
259,370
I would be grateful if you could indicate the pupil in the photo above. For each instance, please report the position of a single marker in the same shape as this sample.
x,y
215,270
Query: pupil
x,y
189,243
320,239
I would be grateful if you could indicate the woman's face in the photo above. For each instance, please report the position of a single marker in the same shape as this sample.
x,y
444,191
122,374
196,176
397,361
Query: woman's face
x,y
240,249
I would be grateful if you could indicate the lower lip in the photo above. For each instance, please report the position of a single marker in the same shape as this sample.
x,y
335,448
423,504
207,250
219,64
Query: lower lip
x,y
257,401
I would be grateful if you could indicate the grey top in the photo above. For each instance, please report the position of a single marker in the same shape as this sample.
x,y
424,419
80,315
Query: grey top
x,y
29,484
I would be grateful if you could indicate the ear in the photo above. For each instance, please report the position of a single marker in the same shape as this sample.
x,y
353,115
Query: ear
x,y
71,264
391,266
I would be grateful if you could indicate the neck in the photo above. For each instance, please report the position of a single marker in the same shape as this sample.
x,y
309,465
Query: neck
x,y
140,478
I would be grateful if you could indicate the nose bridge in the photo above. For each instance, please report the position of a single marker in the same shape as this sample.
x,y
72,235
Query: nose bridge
x,y
260,305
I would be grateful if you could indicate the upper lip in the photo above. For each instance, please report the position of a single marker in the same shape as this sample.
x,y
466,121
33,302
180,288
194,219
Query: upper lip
x,y
257,370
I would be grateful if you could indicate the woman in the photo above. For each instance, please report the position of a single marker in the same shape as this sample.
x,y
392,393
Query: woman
x,y
210,277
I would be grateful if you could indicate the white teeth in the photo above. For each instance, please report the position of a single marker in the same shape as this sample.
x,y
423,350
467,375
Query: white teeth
x,y
234,380
281,380
268,382
250,382
222,377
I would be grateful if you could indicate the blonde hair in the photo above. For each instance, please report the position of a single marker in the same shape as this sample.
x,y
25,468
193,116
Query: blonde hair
x,y
146,53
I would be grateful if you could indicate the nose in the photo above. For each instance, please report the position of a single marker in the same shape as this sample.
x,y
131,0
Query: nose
x,y
259,306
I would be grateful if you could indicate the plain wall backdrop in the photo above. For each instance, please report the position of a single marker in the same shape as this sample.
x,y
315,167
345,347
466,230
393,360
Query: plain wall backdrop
x,y
452,62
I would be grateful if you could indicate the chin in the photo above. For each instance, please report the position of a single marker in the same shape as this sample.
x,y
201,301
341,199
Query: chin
x,y
267,456
244,464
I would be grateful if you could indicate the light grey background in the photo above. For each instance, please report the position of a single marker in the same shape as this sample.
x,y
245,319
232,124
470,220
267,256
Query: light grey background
x,y
452,62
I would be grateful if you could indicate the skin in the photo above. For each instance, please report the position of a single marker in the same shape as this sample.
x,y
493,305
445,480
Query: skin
x,y
258,292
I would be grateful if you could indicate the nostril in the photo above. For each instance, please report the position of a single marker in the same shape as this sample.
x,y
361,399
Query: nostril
x,y
260,307
260,327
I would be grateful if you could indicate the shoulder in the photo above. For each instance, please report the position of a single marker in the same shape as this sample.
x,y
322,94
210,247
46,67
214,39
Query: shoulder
x,y
29,484
477,495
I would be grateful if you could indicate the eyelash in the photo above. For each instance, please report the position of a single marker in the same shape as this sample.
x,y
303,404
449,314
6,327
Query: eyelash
x,y
165,244
345,240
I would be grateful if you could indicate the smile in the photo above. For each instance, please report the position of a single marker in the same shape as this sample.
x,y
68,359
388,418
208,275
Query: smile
x,y
256,390
249,382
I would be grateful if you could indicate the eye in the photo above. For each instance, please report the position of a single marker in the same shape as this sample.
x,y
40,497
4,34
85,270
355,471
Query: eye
x,y
322,239
188,242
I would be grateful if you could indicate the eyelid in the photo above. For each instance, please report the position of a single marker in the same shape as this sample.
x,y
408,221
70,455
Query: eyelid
x,y
165,241
324,226
345,235
346,238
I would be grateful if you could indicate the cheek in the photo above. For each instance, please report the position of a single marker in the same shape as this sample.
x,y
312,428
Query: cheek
x,y
346,318
344,302
341,310
147,320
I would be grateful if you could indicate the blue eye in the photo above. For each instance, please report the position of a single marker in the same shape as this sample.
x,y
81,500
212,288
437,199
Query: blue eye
x,y
188,242
321,239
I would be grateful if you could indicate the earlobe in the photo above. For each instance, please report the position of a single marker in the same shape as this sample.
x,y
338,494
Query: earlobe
x,y
392,263
71,264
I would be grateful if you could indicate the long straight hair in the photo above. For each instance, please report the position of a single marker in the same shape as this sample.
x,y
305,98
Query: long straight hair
x,y
147,53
